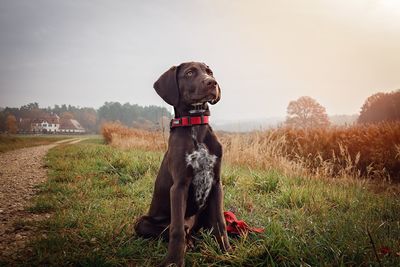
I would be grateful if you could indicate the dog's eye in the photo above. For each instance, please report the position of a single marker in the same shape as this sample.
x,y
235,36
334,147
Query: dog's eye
x,y
209,72
189,73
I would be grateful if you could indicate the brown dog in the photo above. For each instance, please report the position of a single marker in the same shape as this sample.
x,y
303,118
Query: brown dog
x,y
188,192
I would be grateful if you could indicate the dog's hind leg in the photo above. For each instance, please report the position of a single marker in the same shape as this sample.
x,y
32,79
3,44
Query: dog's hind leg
x,y
148,227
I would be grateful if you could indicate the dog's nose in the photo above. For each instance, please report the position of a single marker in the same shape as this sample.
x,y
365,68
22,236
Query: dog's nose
x,y
211,83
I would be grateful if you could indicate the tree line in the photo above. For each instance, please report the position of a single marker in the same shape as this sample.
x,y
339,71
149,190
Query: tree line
x,y
307,113
304,112
132,115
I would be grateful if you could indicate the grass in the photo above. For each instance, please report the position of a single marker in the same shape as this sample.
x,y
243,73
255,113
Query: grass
x,y
12,142
96,192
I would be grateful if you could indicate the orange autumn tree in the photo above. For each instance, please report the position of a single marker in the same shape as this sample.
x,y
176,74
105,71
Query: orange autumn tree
x,y
381,107
11,123
306,113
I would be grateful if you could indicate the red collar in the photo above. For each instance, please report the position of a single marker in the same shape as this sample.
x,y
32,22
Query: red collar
x,y
189,121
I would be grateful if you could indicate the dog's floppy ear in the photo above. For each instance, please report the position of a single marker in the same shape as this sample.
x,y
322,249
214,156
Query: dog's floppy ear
x,y
167,86
215,101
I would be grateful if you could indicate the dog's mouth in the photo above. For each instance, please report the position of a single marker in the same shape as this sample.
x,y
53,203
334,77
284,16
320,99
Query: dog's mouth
x,y
198,104
204,100
211,98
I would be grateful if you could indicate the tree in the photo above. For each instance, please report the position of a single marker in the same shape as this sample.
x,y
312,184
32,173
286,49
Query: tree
x,y
127,113
11,124
87,117
3,124
31,111
67,115
381,107
306,113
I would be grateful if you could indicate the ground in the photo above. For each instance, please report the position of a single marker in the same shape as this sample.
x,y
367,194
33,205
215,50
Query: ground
x,y
21,171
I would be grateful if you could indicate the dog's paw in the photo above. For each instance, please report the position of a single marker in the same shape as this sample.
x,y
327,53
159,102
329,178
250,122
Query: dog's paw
x,y
172,261
168,263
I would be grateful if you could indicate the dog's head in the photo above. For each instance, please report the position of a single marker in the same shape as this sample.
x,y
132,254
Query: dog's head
x,y
190,83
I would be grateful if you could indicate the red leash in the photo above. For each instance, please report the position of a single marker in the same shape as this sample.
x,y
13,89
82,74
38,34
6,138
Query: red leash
x,y
238,227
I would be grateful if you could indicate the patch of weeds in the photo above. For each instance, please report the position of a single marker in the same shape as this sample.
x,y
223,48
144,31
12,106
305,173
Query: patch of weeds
x,y
129,167
265,183
125,178
229,176
42,205
292,197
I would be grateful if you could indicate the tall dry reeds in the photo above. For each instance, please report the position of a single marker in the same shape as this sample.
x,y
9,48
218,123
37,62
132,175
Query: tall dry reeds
x,y
117,135
358,151
259,149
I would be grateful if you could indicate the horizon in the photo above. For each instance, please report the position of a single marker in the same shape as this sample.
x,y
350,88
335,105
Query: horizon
x,y
232,125
264,54
122,103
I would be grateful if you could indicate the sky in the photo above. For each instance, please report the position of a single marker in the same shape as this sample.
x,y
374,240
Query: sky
x,y
264,54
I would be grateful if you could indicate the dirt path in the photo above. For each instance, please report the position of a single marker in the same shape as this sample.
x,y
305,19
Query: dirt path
x,y
20,171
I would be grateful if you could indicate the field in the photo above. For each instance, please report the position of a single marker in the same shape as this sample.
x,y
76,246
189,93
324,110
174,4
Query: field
x,y
95,192
360,151
11,142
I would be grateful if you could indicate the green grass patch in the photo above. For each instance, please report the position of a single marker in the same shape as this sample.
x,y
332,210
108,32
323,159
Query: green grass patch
x,y
12,142
96,192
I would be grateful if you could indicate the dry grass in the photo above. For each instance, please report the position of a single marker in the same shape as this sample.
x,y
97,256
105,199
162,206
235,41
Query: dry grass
x,y
265,150
361,150
121,136
371,151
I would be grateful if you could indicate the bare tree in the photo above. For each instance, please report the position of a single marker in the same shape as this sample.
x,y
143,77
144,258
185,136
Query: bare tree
x,y
306,113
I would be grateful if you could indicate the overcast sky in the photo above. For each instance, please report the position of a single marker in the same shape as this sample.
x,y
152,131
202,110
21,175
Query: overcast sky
x,y
263,53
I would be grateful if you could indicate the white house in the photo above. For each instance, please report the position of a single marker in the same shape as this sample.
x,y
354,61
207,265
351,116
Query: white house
x,y
47,125
53,124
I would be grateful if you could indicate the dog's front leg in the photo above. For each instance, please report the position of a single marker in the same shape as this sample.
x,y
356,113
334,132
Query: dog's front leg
x,y
177,244
217,217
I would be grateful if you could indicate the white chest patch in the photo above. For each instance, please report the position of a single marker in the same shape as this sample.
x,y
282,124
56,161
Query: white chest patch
x,y
202,163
